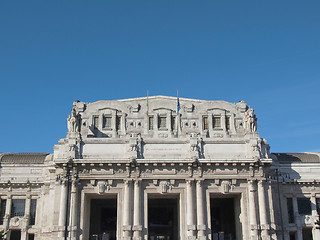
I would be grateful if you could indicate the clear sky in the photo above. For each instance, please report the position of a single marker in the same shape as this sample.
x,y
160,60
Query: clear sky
x,y
266,53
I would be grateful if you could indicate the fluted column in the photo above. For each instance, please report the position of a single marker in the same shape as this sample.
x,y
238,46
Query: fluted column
x,y
63,208
252,210
126,210
73,223
263,214
190,211
137,227
200,211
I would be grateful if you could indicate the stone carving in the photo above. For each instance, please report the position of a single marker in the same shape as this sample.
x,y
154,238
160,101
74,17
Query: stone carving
x,y
250,120
73,121
166,186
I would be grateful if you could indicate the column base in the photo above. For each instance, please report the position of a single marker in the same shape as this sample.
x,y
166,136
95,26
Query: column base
x,y
192,238
202,238
266,237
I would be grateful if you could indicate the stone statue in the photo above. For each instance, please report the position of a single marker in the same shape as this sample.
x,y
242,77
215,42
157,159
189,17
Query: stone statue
x,y
250,120
73,121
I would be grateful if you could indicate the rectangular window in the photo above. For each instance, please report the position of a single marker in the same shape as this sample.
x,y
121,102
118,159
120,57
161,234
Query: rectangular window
x,y
151,123
118,123
3,205
173,122
216,122
205,123
33,208
17,207
290,210
227,123
304,206
162,122
95,121
106,123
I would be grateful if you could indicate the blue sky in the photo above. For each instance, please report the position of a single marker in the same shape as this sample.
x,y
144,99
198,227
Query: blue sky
x,y
266,53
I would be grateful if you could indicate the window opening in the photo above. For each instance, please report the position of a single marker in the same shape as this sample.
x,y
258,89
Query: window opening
x,y
205,123
106,122
118,122
216,122
227,122
304,206
292,235
151,123
3,205
162,122
31,236
33,208
173,122
17,208
15,235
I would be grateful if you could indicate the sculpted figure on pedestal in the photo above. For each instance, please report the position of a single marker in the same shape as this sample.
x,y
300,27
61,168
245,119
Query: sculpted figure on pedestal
x,y
73,121
250,120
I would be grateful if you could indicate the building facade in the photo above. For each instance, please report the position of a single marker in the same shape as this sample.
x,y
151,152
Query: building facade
x,y
154,168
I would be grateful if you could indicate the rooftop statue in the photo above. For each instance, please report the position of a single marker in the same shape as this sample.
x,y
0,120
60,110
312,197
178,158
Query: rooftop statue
x,y
73,121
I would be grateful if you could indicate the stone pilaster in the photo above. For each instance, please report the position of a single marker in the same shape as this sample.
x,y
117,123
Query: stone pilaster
x,y
191,227
137,227
297,217
127,228
253,210
73,223
26,220
7,215
262,209
63,208
201,227
315,216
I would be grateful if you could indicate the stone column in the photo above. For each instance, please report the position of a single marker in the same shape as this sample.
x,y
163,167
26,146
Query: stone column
x,y
25,224
315,216
297,217
63,208
126,210
263,214
73,223
7,215
252,210
200,211
190,210
137,227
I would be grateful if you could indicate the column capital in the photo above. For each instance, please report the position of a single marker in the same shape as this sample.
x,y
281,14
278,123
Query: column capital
x,y
137,182
127,181
199,182
189,181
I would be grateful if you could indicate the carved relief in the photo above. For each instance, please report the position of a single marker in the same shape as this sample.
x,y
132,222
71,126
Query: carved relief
x,y
166,186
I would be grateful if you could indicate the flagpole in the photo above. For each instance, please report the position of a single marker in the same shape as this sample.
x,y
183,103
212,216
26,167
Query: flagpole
x,y
147,102
178,108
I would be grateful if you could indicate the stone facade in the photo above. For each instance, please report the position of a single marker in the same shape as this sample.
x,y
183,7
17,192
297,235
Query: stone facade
x,y
123,163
